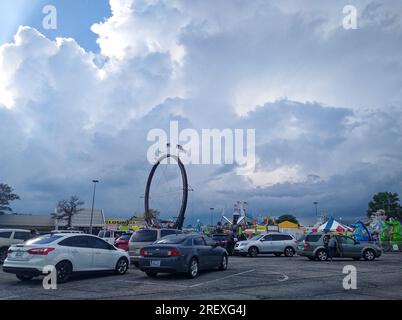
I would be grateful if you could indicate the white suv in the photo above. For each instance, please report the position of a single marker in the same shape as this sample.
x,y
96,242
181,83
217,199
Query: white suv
x,y
9,237
68,253
276,243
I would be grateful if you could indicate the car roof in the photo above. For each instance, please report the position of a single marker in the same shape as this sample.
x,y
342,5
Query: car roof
x,y
184,235
274,232
152,229
69,235
11,230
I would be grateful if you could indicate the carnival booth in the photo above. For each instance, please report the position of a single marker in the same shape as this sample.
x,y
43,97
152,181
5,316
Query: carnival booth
x,y
291,228
333,226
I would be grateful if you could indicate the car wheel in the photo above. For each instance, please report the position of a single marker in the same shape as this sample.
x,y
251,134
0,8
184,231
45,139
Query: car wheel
x,y
3,255
224,263
121,266
322,255
64,270
277,254
369,255
253,252
192,268
289,252
151,274
24,277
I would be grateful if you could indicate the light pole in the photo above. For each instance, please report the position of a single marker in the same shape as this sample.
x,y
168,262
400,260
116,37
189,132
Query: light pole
x,y
316,210
212,216
93,203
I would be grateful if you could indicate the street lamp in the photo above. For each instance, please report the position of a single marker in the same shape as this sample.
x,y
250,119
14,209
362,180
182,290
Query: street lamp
x,y
316,209
93,203
212,216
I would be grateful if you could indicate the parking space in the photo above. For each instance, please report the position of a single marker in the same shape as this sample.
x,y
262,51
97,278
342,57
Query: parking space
x,y
263,277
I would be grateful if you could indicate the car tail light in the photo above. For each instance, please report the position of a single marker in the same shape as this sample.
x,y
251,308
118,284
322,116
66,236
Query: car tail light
x,y
225,241
143,252
173,252
306,245
40,251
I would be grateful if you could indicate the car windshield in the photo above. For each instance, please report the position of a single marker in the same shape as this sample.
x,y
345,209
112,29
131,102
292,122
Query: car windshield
x,y
256,237
125,237
171,240
144,236
49,238
313,237
220,237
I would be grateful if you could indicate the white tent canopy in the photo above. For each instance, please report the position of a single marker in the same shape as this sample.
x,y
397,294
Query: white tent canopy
x,y
334,226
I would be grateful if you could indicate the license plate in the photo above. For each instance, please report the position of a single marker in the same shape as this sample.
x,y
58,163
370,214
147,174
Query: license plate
x,y
19,254
155,263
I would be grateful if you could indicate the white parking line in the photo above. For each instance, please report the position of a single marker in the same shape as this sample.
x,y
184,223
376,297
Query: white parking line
x,y
285,277
232,275
153,283
190,286
10,297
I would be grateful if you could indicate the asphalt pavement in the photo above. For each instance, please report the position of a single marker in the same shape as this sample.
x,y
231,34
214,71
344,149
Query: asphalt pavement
x,y
264,277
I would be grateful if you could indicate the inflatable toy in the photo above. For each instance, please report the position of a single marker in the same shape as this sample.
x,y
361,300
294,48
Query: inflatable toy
x,y
360,232
392,231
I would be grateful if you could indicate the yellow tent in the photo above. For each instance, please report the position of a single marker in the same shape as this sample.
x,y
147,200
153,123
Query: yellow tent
x,y
288,225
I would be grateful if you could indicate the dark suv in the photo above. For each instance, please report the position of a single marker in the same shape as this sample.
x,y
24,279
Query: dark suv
x,y
225,241
315,248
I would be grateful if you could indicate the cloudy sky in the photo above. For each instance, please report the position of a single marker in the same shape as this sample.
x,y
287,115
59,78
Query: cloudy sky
x,y
76,103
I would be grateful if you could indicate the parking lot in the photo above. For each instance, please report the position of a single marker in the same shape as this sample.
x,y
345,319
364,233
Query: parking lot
x,y
264,277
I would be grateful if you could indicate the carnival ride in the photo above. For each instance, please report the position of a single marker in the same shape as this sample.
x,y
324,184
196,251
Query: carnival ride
x,y
173,198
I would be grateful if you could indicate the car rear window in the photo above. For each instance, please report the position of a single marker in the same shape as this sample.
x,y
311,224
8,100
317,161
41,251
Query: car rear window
x,y
313,237
5,235
44,239
125,237
219,237
22,235
173,239
167,232
145,236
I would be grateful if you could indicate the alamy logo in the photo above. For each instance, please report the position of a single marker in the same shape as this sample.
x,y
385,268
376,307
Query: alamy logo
x,y
350,281
211,146
350,19
50,280
50,20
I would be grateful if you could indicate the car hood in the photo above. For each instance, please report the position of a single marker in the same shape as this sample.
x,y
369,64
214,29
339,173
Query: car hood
x,y
246,242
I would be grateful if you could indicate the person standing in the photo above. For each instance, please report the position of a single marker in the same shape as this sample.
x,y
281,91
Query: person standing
x,y
332,244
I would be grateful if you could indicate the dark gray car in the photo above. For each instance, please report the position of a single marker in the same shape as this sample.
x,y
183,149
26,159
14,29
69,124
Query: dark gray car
x,y
315,247
185,253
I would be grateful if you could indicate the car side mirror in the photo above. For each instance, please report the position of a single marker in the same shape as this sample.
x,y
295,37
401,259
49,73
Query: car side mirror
x,y
262,240
357,242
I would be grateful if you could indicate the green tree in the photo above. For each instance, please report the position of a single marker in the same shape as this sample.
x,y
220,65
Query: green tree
x,y
287,217
67,208
6,196
388,201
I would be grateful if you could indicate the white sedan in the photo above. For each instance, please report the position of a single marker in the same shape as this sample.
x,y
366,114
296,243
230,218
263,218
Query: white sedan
x,y
68,253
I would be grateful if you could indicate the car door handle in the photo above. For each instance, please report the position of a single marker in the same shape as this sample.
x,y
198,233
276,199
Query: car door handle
x,y
74,251
97,252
